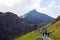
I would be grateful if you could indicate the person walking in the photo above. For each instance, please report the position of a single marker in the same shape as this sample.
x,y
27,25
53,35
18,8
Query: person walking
x,y
45,35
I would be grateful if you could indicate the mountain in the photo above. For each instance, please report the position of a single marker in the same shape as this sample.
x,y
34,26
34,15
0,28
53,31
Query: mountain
x,y
12,26
35,17
9,26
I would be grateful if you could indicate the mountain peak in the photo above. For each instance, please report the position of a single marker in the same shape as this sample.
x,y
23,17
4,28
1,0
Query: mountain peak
x,y
37,17
34,11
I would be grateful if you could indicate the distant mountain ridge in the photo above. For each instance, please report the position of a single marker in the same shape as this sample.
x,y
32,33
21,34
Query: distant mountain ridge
x,y
37,18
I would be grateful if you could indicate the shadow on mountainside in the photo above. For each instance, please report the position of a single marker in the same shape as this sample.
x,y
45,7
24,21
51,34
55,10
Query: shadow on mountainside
x,y
12,26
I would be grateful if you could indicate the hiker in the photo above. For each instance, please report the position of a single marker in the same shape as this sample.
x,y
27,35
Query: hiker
x,y
45,34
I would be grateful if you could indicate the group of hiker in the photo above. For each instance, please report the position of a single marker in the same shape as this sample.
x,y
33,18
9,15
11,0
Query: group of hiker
x,y
45,34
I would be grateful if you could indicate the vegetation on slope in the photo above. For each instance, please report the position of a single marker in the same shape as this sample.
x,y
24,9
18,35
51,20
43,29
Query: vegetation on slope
x,y
30,36
55,29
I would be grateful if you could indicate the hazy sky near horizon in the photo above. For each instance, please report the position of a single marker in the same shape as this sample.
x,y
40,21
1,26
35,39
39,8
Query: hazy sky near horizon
x,y
20,7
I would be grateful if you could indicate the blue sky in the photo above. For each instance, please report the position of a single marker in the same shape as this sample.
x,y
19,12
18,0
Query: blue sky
x,y
45,3
57,2
21,7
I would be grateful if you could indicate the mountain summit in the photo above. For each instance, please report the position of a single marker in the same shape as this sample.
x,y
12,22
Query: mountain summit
x,y
37,18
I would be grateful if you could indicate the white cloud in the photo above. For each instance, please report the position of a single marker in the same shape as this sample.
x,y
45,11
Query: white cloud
x,y
9,3
16,7
36,3
21,7
37,6
52,9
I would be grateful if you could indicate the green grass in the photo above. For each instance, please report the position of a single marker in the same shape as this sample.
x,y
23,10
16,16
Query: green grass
x,y
30,36
56,28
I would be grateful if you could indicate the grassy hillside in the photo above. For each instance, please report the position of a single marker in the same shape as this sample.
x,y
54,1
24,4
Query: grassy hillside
x,y
55,29
30,36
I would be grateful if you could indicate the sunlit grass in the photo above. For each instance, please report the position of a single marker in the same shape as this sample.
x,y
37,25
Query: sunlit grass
x,y
30,36
56,33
